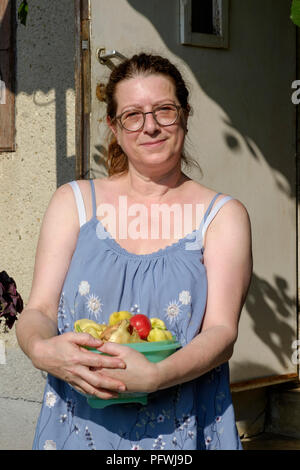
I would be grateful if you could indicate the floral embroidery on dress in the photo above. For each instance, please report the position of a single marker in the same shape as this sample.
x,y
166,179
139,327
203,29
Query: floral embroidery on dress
x,y
49,445
159,443
185,431
173,310
88,436
135,309
61,315
94,305
63,418
176,315
208,440
185,297
50,399
84,288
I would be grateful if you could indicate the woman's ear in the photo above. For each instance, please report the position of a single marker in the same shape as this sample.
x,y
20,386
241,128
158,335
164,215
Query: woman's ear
x,y
112,126
185,117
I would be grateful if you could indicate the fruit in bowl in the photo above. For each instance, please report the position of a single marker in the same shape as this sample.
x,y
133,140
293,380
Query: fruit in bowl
x,y
89,326
118,316
123,327
150,337
121,332
142,324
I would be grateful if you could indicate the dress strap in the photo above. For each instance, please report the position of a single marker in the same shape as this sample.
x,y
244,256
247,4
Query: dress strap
x,y
199,234
213,213
93,198
209,207
79,202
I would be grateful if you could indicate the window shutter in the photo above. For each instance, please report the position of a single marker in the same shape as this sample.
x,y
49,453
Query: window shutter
x,y
7,78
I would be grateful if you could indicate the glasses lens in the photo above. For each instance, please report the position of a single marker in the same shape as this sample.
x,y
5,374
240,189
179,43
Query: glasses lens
x,y
166,114
132,120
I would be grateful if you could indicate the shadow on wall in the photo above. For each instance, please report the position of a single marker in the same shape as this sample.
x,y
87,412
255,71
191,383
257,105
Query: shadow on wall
x,y
250,81
262,44
269,307
45,62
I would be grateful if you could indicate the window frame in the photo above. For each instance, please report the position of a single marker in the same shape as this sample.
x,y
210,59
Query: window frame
x,y
220,21
7,61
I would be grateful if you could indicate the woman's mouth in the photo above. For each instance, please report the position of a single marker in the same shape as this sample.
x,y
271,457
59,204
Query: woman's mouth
x,y
152,144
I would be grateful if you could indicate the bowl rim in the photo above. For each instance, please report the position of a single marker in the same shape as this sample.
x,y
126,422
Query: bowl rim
x,y
151,346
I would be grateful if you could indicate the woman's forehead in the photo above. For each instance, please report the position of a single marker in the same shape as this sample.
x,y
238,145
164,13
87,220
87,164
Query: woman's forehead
x,y
139,90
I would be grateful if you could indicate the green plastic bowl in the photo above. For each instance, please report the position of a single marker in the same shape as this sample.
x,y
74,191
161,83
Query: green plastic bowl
x,y
154,352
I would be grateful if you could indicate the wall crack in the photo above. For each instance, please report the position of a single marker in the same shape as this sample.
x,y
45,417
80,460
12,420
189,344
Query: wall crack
x,y
27,400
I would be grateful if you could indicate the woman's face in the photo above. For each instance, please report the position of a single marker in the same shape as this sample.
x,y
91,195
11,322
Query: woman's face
x,y
154,147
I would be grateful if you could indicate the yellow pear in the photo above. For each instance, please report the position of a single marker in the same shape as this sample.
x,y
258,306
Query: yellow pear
x,y
121,332
85,325
157,323
118,316
157,334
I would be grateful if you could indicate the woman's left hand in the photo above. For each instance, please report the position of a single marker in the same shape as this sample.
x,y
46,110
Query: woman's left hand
x,y
139,375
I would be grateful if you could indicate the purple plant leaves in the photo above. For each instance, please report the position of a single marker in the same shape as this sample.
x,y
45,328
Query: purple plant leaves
x,y
11,302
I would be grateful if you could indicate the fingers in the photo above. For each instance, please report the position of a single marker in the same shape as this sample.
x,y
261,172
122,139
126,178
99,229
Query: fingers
x,y
87,389
98,384
98,360
91,359
114,349
84,339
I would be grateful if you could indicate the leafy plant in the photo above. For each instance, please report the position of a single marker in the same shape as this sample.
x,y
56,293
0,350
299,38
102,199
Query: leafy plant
x,y
11,302
22,12
295,12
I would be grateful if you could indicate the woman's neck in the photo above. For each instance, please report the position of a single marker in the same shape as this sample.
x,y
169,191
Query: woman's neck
x,y
154,188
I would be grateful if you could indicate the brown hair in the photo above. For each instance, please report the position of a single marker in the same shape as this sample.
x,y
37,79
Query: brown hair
x,y
141,64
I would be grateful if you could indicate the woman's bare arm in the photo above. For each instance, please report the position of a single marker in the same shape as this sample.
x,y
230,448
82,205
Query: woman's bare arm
x,y
228,261
56,244
61,355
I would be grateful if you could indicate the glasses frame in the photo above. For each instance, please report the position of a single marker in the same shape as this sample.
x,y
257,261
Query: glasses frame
x,y
178,107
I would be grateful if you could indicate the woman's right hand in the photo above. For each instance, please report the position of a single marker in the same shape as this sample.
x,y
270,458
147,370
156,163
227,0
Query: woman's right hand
x,y
65,357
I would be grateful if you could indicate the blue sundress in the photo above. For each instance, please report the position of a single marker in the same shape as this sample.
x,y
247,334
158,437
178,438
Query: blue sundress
x,y
170,283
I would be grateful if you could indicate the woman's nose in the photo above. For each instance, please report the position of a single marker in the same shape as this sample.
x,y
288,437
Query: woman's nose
x,y
150,124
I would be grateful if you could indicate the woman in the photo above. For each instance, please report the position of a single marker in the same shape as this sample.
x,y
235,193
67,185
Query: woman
x,y
196,284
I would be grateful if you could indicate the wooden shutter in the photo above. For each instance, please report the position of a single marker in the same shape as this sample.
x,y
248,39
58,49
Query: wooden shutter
x,y
7,75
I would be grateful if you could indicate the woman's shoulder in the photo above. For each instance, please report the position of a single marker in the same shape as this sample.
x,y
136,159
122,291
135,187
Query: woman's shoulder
x,y
232,208
85,185
200,192
104,187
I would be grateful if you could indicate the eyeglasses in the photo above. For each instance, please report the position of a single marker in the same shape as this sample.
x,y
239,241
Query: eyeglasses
x,y
134,120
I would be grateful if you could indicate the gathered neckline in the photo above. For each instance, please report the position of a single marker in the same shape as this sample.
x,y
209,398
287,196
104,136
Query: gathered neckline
x,y
112,242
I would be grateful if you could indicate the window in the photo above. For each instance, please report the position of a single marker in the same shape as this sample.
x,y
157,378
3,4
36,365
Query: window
x,y
204,23
7,71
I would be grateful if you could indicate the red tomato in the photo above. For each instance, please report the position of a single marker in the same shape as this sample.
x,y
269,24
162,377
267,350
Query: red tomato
x,y
142,324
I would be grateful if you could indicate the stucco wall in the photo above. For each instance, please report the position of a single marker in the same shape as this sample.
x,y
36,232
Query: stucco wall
x,y
44,159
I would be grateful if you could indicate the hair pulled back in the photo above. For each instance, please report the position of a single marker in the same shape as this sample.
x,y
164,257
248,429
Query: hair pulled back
x,y
139,64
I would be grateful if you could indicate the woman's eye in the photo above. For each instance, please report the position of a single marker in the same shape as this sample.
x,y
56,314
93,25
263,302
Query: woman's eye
x,y
131,114
165,108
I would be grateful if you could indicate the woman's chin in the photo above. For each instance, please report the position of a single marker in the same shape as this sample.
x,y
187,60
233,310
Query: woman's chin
x,y
156,164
